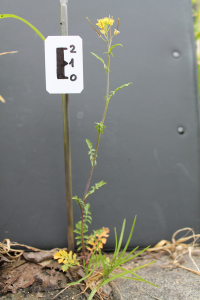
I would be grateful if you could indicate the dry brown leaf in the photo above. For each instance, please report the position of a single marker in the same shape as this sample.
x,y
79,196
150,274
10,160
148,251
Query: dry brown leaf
x,y
11,279
188,269
8,52
177,248
3,259
25,275
39,295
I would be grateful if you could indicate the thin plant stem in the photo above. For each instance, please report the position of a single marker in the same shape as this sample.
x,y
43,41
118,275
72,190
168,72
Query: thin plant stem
x,y
82,240
87,261
99,134
97,146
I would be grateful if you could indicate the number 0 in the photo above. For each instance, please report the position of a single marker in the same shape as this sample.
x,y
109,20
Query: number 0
x,y
73,77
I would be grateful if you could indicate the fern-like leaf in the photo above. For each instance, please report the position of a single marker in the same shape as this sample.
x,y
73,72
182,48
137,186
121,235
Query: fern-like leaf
x,y
87,214
91,152
86,219
97,239
79,201
95,187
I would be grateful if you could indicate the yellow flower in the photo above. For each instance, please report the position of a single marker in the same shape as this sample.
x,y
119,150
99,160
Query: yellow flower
x,y
110,21
104,23
116,32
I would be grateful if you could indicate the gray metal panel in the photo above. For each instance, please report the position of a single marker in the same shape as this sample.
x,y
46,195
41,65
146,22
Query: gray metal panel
x,y
151,169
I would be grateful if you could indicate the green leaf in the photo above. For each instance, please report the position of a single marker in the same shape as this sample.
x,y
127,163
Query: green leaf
x,y
102,263
117,89
99,184
99,127
127,258
89,221
65,267
116,261
79,201
78,225
93,292
138,268
91,152
138,278
2,16
125,273
121,236
101,59
109,53
87,207
78,243
83,278
96,187
116,244
129,239
84,265
74,198
91,259
121,259
86,217
115,46
89,144
197,35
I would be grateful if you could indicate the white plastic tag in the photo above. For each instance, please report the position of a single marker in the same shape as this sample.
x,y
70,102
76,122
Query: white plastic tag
x,y
64,64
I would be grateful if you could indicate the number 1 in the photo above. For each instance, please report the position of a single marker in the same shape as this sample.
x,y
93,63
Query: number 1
x,y
72,62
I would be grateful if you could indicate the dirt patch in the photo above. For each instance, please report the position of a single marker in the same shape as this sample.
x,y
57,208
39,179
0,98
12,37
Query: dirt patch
x,y
21,279
34,292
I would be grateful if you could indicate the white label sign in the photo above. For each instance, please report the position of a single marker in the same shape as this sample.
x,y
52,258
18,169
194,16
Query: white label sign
x,y
64,64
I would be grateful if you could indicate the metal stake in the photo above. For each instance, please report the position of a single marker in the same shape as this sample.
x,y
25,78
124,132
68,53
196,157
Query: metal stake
x,y
66,134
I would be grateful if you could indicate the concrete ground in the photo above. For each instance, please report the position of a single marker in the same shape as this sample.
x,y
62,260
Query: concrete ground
x,y
174,283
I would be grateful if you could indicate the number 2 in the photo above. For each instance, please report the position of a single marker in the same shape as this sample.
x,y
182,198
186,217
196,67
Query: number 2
x,y
73,47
